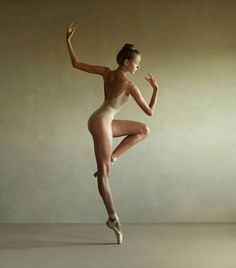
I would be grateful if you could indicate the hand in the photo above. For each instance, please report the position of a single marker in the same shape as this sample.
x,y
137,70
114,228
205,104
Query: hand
x,y
70,31
152,80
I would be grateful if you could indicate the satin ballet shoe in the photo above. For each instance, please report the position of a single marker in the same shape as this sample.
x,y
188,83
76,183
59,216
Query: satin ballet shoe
x,y
113,159
113,225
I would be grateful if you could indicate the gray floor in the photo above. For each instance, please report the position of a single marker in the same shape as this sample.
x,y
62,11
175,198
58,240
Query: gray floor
x,y
92,245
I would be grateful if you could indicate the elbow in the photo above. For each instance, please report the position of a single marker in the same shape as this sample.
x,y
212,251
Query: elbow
x,y
75,64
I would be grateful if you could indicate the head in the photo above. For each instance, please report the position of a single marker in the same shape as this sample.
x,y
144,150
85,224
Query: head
x,y
129,58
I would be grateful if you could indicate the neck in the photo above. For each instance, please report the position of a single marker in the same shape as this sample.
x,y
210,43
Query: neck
x,y
122,69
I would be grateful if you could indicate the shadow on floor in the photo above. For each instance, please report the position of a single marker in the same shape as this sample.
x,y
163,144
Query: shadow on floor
x,y
23,244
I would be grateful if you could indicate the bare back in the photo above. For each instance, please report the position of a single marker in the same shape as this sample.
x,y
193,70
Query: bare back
x,y
114,84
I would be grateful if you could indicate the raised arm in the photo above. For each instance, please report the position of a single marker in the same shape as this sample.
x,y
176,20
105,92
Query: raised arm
x,y
101,70
136,94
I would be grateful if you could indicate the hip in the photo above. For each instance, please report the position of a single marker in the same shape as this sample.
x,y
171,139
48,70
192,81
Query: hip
x,y
108,113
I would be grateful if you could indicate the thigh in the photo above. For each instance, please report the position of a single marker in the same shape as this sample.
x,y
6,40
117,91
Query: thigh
x,y
127,127
101,132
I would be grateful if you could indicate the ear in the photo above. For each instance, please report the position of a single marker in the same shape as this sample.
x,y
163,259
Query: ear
x,y
126,62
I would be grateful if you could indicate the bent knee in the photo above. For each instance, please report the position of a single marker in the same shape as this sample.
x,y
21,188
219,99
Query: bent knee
x,y
145,131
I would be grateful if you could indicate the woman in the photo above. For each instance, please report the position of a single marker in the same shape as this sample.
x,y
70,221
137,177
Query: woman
x,y
102,125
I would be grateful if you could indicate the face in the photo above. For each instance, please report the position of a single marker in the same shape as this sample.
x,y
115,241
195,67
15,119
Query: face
x,y
133,65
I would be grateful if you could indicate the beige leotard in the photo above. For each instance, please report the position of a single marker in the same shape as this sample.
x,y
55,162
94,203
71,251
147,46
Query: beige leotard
x,y
110,107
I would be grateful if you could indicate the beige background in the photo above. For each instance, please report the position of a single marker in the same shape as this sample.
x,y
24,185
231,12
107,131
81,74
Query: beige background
x,y
185,170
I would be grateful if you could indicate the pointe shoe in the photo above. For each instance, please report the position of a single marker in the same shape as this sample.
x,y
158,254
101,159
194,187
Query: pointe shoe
x,y
113,159
113,225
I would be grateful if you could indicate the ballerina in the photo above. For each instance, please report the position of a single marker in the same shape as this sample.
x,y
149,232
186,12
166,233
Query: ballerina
x,y
102,125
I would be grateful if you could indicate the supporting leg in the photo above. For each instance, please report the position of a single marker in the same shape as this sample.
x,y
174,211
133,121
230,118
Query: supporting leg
x,y
102,137
104,187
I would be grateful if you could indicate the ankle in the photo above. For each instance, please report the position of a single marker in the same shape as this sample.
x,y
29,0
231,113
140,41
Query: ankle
x,y
113,158
113,216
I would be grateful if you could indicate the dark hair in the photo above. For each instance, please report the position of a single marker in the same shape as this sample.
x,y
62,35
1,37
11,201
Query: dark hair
x,y
128,51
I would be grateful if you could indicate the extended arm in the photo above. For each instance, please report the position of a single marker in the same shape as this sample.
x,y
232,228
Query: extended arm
x,y
136,94
75,59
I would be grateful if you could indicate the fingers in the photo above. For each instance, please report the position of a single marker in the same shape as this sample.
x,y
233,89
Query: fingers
x,y
72,25
71,28
150,77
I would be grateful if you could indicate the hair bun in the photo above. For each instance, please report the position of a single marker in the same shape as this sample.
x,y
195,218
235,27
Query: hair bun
x,y
128,51
128,47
